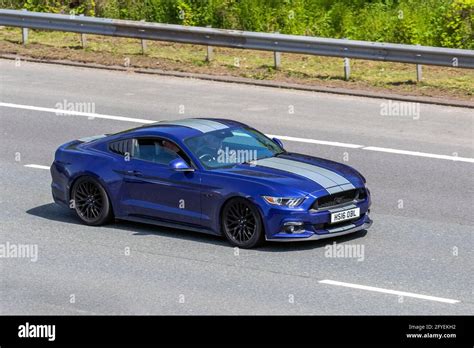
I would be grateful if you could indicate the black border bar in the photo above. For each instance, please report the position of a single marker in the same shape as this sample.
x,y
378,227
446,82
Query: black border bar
x,y
241,330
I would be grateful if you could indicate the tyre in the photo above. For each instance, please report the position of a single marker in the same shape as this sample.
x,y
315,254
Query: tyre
x,y
91,202
242,224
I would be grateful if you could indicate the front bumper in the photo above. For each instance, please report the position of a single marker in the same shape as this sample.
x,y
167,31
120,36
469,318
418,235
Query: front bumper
x,y
315,225
350,228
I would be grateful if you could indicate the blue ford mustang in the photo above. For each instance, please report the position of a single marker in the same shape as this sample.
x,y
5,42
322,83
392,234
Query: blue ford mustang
x,y
210,175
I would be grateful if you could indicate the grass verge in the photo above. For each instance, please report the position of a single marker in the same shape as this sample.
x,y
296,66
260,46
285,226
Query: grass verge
x,y
439,82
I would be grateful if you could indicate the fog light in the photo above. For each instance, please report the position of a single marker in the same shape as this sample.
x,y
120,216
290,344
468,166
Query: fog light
x,y
293,227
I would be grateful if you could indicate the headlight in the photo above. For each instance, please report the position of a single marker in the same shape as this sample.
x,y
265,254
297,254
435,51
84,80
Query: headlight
x,y
284,201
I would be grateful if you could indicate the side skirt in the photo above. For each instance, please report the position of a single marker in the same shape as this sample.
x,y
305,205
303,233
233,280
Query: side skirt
x,y
158,222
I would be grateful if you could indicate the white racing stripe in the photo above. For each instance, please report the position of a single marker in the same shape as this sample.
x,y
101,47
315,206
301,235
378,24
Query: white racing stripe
x,y
318,178
60,112
387,291
203,126
329,180
37,166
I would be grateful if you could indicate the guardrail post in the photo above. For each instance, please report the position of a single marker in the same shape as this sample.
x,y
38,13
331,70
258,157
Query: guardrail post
x,y
210,51
83,36
419,75
83,40
347,69
143,42
24,34
277,57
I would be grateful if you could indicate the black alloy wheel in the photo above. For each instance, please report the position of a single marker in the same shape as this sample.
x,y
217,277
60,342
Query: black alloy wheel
x,y
90,201
242,224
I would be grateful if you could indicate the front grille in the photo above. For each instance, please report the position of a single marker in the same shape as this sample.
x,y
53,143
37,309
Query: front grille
x,y
339,198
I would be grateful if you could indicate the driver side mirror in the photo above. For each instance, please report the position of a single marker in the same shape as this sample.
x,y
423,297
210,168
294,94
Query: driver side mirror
x,y
278,142
180,165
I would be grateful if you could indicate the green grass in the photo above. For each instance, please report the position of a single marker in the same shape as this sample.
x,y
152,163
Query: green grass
x,y
444,23
327,71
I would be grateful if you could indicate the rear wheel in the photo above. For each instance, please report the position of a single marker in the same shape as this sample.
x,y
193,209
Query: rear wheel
x,y
242,224
91,202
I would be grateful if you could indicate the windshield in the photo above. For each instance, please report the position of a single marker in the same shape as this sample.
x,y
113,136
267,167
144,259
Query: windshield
x,y
228,147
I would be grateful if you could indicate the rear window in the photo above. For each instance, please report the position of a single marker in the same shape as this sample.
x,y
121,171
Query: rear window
x,y
121,147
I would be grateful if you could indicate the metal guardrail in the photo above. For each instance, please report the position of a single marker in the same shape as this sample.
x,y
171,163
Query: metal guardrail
x,y
241,39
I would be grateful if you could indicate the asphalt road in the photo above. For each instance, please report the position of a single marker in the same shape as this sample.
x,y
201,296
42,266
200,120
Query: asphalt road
x,y
421,241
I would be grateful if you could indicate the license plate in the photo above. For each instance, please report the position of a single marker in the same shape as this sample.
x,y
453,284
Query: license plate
x,y
345,215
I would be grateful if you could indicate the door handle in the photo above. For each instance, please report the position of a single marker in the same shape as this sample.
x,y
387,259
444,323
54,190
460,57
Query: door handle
x,y
134,172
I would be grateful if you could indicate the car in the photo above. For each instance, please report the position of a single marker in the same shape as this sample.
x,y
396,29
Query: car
x,y
210,175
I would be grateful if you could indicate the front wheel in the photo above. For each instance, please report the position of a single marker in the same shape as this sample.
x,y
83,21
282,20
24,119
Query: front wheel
x,y
242,224
91,202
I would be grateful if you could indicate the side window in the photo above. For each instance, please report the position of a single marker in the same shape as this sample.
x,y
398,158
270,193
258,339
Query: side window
x,y
156,150
121,147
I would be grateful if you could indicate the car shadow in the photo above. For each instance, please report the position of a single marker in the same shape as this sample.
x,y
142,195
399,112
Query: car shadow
x,y
54,212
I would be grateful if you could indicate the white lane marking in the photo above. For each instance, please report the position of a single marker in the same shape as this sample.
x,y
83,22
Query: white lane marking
x,y
61,112
374,148
37,166
387,291
420,154
314,141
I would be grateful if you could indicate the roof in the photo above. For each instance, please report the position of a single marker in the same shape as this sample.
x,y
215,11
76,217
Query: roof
x,y
185,128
